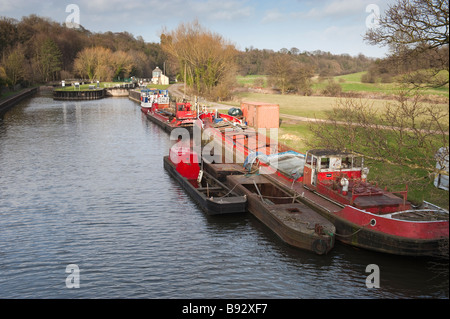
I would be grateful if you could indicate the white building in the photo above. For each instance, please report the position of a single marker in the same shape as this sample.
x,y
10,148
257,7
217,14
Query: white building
x,y
159,78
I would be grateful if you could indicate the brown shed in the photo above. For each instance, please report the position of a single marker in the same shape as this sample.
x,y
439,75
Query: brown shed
x,y
261,115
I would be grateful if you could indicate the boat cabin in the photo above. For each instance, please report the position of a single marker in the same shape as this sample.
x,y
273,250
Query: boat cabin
x,y
341,176
185,111
324,164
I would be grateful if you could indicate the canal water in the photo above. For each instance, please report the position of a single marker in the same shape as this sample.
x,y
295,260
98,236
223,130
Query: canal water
x,y
82,187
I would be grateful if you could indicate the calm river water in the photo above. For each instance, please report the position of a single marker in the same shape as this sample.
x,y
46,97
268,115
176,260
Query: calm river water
x,y
82,183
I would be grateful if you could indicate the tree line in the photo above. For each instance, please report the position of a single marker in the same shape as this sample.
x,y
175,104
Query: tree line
x,y
38,50
417,67
209,63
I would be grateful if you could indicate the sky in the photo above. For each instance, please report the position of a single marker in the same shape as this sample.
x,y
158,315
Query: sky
x,y
335,26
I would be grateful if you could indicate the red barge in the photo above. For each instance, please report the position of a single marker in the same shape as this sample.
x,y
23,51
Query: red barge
x,y
183,116
335,185
213,197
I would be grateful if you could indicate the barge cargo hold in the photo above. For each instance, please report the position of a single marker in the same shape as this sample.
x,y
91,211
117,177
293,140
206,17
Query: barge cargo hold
x,y
294,222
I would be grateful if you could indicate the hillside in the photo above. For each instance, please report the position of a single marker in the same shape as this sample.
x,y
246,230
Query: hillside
x,y
349,83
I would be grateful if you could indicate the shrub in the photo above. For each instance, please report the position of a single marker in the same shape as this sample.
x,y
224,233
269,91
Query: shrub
x,y
332,89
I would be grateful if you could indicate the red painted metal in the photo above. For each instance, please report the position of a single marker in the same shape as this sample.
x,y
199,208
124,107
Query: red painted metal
x,y
186,162
396,227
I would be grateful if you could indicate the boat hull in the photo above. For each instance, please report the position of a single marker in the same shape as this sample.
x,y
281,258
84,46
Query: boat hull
x,y
368,237
210,205
295,223
354,227
146,109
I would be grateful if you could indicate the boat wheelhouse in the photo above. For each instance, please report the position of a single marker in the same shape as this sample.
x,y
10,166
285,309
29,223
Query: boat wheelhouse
x,y
147,100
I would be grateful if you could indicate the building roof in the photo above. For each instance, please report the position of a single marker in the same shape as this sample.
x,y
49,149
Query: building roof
x,y
330,152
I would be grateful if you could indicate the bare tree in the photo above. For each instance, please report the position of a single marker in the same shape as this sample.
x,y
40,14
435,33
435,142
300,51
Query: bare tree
x,y
416,30
16,65
287,73
122,63
102,64
205,58
279,70
413,23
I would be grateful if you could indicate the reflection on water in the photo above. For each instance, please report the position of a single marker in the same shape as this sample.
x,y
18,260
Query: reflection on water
x,y
83,183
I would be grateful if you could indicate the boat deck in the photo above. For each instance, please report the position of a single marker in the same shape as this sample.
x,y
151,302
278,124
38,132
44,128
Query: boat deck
x,y
294,222
211,195
306,195
220,171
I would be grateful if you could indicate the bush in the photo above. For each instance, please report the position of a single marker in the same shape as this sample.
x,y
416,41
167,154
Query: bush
x,y
368,78
332,89
386,78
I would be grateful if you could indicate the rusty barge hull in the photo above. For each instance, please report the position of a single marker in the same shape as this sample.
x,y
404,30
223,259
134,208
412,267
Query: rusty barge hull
x,y
362,236
295,223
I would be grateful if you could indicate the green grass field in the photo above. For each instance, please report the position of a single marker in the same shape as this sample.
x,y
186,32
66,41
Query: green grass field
x,y
252,80
352,83
349,83
308,106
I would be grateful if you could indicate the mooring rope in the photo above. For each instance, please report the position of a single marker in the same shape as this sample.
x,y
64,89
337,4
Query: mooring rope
x,y
229,191
349,235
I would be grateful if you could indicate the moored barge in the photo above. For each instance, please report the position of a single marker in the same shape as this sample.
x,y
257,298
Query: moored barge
x,y
213,197
295,223
365,215
183,117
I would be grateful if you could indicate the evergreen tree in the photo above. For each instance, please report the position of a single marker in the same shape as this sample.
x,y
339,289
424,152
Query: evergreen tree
x,y
47,60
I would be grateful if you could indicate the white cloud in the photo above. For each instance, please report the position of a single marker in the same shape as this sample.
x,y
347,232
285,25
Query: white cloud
x,y
220,10
108,6
8,6
273,16
337,8
326,9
